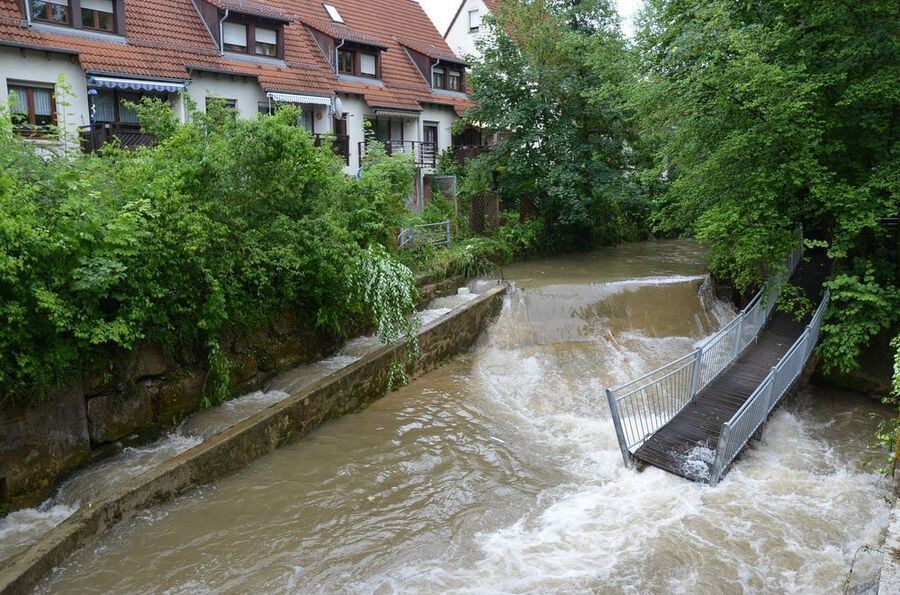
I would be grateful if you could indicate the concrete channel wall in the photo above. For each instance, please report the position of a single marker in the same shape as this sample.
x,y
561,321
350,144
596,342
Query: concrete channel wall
x,y
343,392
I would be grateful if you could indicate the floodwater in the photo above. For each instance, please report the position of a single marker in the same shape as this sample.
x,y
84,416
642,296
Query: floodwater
x,y
500,472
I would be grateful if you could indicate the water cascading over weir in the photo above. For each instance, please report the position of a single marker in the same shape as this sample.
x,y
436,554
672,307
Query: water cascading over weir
x,y
695,415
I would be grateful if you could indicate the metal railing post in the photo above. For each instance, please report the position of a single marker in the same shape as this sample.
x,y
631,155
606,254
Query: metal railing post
x,y
695,372
617,423
738,337
715,474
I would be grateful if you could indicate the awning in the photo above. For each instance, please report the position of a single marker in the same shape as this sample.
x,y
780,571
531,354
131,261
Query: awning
x,y
135,84
301,99
393,113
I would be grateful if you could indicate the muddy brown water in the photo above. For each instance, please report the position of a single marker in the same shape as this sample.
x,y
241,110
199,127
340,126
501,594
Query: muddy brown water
x,y
500,472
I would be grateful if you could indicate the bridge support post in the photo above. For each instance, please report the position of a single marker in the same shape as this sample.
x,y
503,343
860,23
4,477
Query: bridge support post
x,y
695,372
620,434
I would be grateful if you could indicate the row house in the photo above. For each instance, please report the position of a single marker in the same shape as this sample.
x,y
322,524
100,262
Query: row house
x,y
350,65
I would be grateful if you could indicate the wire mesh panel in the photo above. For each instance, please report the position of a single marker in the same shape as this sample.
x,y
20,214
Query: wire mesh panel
x,y
432,234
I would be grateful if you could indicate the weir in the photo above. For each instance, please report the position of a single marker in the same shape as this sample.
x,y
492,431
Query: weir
x,y
693,416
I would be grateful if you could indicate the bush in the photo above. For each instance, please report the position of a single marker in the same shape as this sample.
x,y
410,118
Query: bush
x,y
220,227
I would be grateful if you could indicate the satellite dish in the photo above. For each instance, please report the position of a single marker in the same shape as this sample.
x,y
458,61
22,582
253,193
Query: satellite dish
x,y
338,107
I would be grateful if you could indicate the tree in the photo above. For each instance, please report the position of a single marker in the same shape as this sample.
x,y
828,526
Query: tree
x,y
551,80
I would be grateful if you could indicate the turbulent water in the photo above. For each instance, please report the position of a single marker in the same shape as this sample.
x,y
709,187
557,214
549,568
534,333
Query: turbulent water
x,y
500,472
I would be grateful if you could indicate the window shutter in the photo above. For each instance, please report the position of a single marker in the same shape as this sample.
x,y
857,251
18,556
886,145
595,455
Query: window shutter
x,y
266,36
98,5
367,64
235,34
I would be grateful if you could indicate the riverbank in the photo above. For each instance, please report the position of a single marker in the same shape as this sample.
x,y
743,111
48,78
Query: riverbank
x,y
290,418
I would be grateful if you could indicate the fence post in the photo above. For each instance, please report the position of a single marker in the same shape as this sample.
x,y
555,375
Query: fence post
x,y
449,235
617,423
715,474
695,372
738,337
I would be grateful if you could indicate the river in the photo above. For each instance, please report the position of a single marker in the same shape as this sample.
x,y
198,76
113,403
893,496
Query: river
x,y
500,472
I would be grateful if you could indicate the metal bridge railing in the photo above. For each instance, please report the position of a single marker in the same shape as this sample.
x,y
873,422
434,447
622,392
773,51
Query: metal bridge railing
x,y
641,407
431,234
749,419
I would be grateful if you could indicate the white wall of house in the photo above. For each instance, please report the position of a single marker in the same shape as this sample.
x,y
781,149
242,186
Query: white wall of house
x,y
245,91
460,37
356,110
44,69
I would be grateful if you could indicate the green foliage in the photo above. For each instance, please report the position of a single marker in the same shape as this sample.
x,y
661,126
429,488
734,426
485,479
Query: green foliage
x,y
553,81
221,226
763,115
862,308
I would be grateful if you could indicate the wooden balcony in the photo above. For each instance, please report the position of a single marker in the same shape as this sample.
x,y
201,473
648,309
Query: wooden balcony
x,y
425,154
96,135
341,144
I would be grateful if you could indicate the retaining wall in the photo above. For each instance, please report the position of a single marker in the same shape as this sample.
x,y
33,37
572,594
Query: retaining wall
x,y
344,391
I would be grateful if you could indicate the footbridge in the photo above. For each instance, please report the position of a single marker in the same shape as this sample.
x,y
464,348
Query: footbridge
x,y
694,416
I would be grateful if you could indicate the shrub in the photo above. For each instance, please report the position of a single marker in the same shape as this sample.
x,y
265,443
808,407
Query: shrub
x,y
221,226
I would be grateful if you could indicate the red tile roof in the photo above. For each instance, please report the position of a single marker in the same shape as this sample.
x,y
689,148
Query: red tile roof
x,y
168,38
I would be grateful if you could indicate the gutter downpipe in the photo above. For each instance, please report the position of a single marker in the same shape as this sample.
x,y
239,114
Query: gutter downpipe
x,y
222,32
337,48
433,66
27,4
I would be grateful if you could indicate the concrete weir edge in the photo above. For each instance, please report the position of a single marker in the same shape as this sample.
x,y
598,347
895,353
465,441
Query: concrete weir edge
x,y
342,392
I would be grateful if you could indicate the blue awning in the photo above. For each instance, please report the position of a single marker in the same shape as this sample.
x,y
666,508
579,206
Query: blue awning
x,y
135,84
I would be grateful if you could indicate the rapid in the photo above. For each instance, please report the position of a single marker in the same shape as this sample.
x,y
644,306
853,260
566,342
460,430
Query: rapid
x,y
500,471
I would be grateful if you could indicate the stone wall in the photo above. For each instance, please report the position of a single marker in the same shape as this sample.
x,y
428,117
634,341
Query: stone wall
x,y
342,392
139,395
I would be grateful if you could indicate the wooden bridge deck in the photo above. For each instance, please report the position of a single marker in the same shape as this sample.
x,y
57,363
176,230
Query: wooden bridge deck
x,y
673,448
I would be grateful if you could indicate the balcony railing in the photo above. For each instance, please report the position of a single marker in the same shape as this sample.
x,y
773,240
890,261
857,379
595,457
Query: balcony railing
x,y
96,135
463,153
341,144
425,154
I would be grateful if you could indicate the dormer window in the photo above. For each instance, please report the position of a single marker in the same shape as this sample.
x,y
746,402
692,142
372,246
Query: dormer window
x,y
246,36
359,60
448,77
51,11
98,14
333,13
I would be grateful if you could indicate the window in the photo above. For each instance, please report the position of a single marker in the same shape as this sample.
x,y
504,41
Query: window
x,y
51,11
32,106
228,103
235,37
454,80
98,14
474,21
126,114
437,78
108,106
266,42
333,13
263,108
368,64
307,118
431,133
345,62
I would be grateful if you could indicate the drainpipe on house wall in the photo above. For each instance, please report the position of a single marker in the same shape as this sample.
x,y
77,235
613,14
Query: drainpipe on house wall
x,y
27,4
337,48
222,32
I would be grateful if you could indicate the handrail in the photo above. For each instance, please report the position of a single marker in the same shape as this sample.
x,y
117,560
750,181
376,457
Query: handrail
x,y
749,419
429,234
652,400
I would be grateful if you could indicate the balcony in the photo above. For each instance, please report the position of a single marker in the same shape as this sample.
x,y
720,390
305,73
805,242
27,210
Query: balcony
x,y
96,135
463,153
340,147
425,154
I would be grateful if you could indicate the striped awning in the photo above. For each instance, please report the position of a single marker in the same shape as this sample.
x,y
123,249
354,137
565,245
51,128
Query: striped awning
x,y
301,99
394,113
107,82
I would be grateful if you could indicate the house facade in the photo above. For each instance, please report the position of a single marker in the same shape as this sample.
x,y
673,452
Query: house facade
x,y
348,64
466,28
